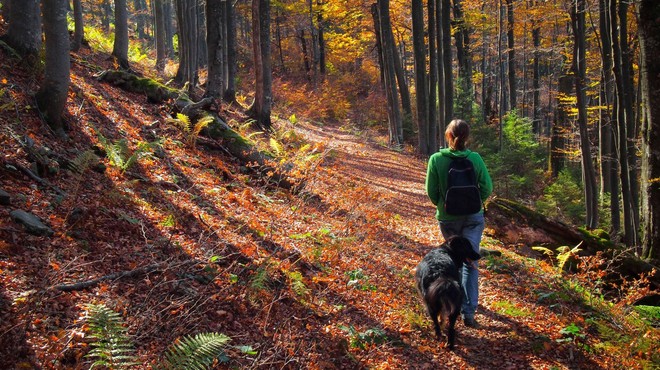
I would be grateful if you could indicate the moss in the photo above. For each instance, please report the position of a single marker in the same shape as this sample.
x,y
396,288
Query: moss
x,y
598,239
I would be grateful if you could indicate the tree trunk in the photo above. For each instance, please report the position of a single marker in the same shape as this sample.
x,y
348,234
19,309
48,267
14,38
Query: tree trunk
x,y
557,140
51,97
321,25
649,31
447,75
229,94
159,23
188,43
106,15
511,54
139,17
433,86
536,79
621,139
420,77
120,48
169,28
202,49
580,72
609,166
379,45
387,41
463,56
216,48
79,32
260,108
24,32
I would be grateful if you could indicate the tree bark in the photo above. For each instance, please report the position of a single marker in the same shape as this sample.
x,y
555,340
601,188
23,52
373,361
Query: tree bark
x,y
511,54
447,75
229,94
580,72
159,23
387,41
79,32
420,78
649,31
260,108
51,97
120,48
216,48
24,32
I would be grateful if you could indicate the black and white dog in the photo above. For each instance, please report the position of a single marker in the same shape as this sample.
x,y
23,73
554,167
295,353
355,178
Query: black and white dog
x,y
439,282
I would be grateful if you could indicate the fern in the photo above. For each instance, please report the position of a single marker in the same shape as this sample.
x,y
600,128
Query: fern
x,y
120,155
261,278
276,146
112,346
184,123
181,121
198,352
83,161
297,284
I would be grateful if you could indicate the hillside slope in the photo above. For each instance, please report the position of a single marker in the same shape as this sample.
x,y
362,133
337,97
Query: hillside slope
x,y
318,279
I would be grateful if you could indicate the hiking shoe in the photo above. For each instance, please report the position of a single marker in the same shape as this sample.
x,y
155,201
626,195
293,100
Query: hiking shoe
x,y
470,322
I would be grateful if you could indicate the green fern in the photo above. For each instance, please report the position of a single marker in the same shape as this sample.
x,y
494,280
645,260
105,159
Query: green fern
x,y
276,146
297,284
261,278
181,121
112,345
83,162
196,352
121,156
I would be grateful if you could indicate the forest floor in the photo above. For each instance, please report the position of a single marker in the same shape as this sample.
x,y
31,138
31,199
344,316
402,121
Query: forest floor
x,y
318,279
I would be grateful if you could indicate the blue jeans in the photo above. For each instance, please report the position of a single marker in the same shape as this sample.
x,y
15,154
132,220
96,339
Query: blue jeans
x,y
470,227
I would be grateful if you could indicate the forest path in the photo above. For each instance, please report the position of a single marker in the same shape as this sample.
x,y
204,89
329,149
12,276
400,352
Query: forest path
x,y
515,332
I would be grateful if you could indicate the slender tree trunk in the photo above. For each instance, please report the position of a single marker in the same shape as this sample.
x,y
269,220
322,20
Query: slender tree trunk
x,y
394,114
609,168
306,58
107,15
463,55
622,137
536,79
557,140
321,26
230,66
580,71
511,54
139,7
401,82
648,12
202,49
24,32
169,28
501,91
260,108
631,119
434,87
78,28
420,77
159,23
379,45
216,44
51,97
120,48
448,76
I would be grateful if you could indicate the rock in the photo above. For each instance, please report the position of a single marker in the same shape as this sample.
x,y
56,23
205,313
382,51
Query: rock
x,y
5,198
32,223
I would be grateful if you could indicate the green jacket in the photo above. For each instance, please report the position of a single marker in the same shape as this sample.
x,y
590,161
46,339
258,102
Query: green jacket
x,y
436,178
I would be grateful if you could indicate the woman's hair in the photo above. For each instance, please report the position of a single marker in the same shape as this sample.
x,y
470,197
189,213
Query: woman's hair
x,y
456,134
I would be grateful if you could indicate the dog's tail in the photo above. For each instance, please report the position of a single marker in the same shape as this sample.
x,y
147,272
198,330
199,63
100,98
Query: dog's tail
x,y
445,296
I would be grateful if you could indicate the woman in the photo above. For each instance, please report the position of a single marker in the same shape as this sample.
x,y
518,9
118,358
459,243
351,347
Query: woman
x,y
469,226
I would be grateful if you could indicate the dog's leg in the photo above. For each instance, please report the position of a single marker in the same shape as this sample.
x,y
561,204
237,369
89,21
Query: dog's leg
x,y
451,328
434,316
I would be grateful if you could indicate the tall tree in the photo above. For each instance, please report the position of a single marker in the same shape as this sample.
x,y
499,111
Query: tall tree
x,y
621,138
229,23
648,12
24,32
447,77
186,12
159,23
51,97
387,42
79,31
609,166
511,53
120,48
421,95
263,95
216,47
580,71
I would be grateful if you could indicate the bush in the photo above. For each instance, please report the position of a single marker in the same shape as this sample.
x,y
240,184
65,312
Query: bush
x,y
562,200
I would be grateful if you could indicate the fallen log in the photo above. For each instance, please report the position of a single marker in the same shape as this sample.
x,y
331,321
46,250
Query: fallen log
x,y
514,223
239,147
117,275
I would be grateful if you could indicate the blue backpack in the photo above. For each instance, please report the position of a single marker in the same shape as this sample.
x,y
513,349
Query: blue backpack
x,y
462,196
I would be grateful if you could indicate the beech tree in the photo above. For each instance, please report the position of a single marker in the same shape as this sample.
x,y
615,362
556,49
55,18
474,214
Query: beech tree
x,y
79,32
649,38
24,32
120,48
187,21
51,97
263,96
